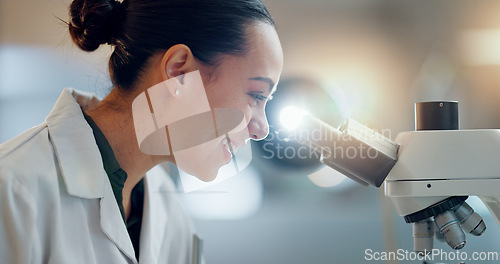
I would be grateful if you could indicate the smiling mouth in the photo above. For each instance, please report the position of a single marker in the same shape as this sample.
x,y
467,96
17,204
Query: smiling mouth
x,y
231,147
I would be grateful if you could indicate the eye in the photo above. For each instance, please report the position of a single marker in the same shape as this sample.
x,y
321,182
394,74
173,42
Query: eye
x,y
258,97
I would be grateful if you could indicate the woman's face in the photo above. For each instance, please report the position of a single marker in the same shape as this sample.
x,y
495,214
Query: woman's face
x,y
244,82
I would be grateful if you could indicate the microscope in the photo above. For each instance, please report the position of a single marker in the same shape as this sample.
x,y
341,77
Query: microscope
x,y
428,173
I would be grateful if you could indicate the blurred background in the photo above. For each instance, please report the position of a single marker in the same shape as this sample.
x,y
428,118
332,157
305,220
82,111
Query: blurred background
x,y
371,60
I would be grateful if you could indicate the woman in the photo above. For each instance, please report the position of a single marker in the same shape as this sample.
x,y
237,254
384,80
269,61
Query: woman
x,y
78,188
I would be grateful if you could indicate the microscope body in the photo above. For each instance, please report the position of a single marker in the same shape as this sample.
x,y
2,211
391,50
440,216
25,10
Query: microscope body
x,y
427,173
434,171
434,165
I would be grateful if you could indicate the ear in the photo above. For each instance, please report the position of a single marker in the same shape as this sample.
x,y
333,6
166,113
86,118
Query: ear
x,y
176,61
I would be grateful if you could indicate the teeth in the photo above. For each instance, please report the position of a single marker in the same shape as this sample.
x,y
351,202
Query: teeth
x,y
231,148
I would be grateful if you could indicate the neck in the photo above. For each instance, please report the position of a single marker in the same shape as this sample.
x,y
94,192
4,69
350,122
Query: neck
x,y
114,117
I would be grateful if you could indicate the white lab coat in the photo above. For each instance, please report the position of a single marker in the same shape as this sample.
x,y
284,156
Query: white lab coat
x,y
57,205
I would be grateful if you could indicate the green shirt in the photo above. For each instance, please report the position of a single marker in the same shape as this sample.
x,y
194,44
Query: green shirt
x,y
117,177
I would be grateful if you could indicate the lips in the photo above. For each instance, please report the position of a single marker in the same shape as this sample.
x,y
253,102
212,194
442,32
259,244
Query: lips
x,y
232,144
231,147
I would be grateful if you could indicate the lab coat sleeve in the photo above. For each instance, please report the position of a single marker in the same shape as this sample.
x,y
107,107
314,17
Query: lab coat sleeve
x,y
18,211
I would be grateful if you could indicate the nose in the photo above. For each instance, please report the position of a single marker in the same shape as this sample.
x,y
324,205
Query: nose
x,y
258,128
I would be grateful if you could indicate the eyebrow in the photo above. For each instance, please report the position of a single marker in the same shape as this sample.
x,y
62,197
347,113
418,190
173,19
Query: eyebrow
x,y
266,80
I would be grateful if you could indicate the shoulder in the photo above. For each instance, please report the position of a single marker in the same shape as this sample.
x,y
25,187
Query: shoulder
x,y
26,138
27,166
29,152
23,161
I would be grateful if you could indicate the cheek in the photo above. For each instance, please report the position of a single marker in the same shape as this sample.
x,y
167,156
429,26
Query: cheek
x,y
227,96
226,93
249,113
219,96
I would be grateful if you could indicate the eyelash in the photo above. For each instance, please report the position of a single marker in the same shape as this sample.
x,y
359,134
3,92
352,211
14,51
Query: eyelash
x,y
259,97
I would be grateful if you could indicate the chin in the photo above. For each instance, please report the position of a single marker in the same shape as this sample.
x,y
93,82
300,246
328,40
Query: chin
x,y
206,175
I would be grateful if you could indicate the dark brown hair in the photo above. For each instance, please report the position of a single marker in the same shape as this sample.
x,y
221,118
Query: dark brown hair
x,y
140,28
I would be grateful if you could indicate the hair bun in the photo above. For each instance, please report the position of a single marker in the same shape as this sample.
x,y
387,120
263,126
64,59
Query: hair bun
x,y
95,22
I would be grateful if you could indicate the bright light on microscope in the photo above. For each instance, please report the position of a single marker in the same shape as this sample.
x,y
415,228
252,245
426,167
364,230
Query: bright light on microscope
x,y
291,117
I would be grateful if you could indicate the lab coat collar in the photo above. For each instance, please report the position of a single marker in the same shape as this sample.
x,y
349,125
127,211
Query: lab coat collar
x,y
75,147
81,164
